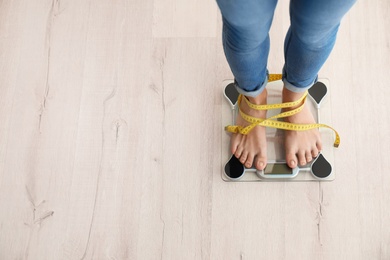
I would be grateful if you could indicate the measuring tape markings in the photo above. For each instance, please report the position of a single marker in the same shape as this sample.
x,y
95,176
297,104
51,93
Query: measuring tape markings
x,y
258,121
273,106
269,122
274,77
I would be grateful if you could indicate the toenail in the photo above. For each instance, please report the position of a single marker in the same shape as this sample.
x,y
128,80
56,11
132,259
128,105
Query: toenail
x,y
261,165
292,162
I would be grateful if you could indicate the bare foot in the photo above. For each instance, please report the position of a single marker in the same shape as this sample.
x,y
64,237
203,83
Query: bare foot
x,y
301,146
251,149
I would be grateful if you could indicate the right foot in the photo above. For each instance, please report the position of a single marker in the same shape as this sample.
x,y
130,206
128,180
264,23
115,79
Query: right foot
x,y
301,146
251,149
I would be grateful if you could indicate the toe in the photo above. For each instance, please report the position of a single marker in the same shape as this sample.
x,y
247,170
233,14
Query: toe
x,y
234,143
249,161
314,152
291,159
319,145
309,157
260,163
302,158
239,151
233,149
261,158
243,157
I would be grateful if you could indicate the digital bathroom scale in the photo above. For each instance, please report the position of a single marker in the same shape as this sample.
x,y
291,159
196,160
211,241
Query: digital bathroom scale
x,y
320,169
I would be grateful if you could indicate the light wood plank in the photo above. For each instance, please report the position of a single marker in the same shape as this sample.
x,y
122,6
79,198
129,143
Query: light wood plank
x,y
175,18
24,178
110,157
187,141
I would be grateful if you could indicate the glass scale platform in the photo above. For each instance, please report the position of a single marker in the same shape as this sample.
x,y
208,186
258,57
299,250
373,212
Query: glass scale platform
x,y
320,169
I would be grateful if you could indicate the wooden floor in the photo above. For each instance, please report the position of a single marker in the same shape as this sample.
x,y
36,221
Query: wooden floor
x,y
110,138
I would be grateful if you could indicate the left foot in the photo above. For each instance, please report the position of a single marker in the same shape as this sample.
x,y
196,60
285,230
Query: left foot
x,y
301,146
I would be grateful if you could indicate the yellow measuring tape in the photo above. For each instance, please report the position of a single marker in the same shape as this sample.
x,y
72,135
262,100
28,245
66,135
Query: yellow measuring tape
x,y
270,122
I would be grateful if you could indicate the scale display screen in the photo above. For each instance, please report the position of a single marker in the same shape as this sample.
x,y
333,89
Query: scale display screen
x,y
277,168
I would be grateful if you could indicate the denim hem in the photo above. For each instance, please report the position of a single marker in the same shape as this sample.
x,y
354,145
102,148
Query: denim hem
x,y
253,93
295,89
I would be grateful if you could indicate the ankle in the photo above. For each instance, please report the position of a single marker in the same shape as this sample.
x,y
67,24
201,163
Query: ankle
x,y
261,99
290,96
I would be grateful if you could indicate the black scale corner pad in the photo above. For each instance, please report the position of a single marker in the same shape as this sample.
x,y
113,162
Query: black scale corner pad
x,y
321,168
234,168
231,93
318,92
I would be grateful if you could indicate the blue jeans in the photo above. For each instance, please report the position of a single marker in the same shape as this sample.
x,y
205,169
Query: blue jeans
x,y
308,43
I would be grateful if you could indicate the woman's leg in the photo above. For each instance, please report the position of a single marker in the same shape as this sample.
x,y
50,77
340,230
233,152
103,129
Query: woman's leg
x,y
309,41
246,41
246,25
